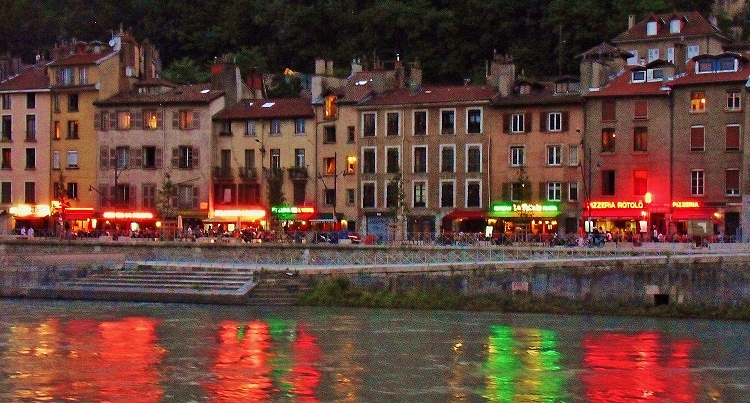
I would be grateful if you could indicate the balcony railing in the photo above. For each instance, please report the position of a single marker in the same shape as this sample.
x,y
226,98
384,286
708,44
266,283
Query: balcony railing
x,y
222,172
298,173
248,173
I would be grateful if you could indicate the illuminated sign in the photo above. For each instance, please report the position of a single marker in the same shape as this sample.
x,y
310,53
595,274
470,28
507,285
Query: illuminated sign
x,y
524,208
293,210
128,214
685,204
27,210
597,205
250,213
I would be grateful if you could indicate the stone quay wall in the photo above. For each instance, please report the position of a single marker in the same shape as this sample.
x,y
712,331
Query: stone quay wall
x,y
706,278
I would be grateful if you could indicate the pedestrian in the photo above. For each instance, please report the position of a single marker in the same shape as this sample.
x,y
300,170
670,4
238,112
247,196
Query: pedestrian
x,y
23,231
655,233
30,233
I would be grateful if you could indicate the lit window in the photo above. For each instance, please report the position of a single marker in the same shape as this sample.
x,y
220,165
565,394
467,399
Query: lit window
x,y
331,110
151,119
123,120
698,102
608,139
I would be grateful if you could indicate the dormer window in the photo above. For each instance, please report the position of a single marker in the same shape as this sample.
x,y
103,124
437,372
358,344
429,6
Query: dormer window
x,y
675,26
725,64
639,76
651,28
655,74
524,89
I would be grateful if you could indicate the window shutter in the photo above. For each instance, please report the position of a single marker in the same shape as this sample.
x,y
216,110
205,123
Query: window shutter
x,y
543,196
175,120
175,157
196,158
103,157
105,120
543,119
112,120
97,121
103,191
608,110
565,117
158,158
696,138
159,120
112,157
196,120
733,137
506,190
136,159
506,122
138,120
131,194
527,122
195,196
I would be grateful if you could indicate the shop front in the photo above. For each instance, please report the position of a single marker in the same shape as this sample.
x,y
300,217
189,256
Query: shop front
x,y
518,219
36,216
293,218
125,223
693,218
623,219
465,220
253,218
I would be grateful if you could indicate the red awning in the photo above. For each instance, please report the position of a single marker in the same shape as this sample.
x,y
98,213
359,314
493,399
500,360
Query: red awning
x,y
613,213
78,213
685,214
466,215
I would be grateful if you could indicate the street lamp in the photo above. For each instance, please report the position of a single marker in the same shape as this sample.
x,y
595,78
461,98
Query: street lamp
x,y
647,200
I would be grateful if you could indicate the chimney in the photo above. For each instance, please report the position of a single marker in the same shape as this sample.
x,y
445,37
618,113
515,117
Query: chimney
x,y
680,57
320,66
356,67
398,68
503,73
631,21
415,75
329,68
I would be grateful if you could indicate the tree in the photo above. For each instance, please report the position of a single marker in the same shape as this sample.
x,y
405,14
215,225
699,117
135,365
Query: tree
x,y
164,197
186,71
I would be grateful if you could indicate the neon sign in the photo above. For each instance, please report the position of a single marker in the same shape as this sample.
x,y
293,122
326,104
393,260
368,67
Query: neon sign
x,y
128,214
292,210
252,213
524,208
685,204
597,205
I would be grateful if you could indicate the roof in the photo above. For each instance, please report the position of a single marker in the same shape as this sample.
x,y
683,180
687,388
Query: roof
x,y
33,78
694,25
622,86
278,108
435,95
605,50
155,82
194,93
542,93
81,59
691,77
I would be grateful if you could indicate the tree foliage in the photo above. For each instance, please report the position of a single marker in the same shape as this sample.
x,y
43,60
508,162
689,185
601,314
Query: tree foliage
x,y
451,39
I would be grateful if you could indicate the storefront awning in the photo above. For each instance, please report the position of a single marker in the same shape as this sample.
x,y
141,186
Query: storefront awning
x,y
693,214
323,217
615,214
463,214
78,213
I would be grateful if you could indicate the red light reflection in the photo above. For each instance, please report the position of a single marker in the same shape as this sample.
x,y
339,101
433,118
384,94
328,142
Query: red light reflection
x,y
305,377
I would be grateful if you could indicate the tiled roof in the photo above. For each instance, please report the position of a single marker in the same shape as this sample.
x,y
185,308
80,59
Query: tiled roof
x,y
435,95
621,86
741,75
694,25
278,108
154,82
33,78
81,59
184,94
603,50
542,93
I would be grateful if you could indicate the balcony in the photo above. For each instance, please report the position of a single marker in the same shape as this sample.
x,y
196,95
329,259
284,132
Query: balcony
x,y
298,173
248,173
223,173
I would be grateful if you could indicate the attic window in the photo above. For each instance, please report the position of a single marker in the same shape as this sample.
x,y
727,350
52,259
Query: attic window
x,y
716,66
651,28
639,76
524,89
268,104
675,26
655,74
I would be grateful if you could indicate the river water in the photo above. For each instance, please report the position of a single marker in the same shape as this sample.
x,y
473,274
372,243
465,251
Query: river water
x,y
55,351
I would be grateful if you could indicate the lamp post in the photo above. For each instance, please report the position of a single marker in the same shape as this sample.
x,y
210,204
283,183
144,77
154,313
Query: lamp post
x,y
647,199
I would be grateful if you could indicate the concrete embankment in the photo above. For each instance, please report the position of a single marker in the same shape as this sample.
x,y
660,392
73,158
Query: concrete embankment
x,y
706,277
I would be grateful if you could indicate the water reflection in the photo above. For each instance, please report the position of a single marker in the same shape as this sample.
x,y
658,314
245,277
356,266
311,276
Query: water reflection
x,y
311,356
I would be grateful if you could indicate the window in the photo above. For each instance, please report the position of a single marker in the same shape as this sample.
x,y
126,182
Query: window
x,y
7,134
350,134
609,111
724,64
72,190
72,160
733,137
697,182
6,158
608,140
573,155
57,131
368,124
329,197
186,120
83,75
123,120
697,138
350,197
732,179
633,60
56,160
329,134
473,194
5,192
640,182
651,28
653,54
250,128
392,160
554,121
392,194
608,183
420,123
734,101
72,129
351,165
249,165
368,161
640,110
123,157
275,127
330,109
447,193
329,164
299,126
572,191
697,102
692,51
149,195
655,75
31,158
420,159
517,156
72,102
56,103
554,155
448,121
640,139
30,100
185,155
187,197
675,26
447,158
392,123
474,121
473,158
6,101
299,157
151,120
420,194
639,76
368,195
670,54
554,191
150,157
517,123
275,160
517,191
29,196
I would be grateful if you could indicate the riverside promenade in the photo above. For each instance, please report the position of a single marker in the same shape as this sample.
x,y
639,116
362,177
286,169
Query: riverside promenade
x,y
231,272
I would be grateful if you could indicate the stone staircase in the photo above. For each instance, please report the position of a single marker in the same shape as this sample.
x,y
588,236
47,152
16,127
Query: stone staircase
x,y
216,283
